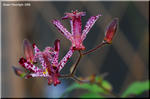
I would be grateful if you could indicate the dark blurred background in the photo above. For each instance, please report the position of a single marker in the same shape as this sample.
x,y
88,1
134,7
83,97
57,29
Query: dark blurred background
x,y
125,61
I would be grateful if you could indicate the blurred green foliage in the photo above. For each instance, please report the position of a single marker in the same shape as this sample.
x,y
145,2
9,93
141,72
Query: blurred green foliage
x,y
96,91
136,88
91,95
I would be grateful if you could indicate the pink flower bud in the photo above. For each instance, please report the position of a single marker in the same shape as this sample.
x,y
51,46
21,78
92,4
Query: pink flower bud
x,y
19,72
111,30
28,51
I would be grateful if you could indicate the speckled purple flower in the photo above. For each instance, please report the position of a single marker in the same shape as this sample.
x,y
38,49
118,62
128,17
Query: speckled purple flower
x,y
48,60
76,37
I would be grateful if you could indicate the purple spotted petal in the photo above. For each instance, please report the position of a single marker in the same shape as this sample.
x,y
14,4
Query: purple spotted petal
x,y
28,65
89,25
38,55
62,29
36,49
76,26
37,74
65,59
56,48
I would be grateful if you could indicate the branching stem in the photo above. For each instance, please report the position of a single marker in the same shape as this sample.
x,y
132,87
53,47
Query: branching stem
x,y
94,49
72,74
88,81
80,56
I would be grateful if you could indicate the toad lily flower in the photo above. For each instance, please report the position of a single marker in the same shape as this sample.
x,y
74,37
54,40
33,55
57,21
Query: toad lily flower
x,y
76,37
48,59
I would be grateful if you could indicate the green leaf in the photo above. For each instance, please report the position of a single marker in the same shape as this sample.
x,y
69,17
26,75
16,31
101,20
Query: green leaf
x,y
23,75
93,88
90,87
136,88
91,95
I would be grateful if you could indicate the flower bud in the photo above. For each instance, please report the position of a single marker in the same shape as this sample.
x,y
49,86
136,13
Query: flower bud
x,y
28,51
19,72
111,30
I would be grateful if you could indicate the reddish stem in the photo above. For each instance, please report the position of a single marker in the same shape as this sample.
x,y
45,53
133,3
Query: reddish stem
x,y
76,63
94,49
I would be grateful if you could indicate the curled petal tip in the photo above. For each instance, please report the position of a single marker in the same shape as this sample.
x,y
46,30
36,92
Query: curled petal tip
x,y
75,13
22,60
57,40
56,82
111,30
65,17
54,20
33,45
